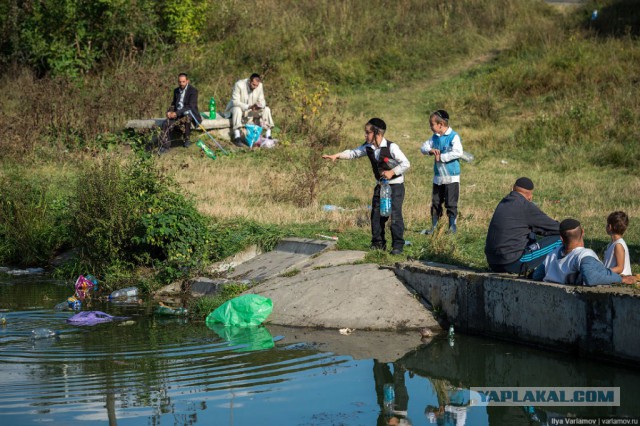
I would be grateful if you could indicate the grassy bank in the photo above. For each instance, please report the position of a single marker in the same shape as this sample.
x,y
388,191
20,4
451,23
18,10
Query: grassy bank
x,y
531,90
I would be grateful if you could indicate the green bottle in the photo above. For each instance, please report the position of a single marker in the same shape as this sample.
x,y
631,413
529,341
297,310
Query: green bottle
x,y
207,151
212,108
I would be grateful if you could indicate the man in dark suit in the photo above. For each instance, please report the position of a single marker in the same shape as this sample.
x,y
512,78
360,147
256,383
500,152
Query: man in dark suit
x,y
185,99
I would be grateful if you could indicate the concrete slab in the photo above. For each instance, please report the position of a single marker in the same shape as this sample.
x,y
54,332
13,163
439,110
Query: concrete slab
x,y
170,289
335,258
290,253
150,123
203,286
228,264
349,296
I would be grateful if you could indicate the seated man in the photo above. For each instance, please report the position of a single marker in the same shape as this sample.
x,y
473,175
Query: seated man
x,y
247,101
185,99
512,245
572,263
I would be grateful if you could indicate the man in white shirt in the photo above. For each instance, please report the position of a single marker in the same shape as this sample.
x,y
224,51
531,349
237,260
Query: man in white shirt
x,y
572,263
247,102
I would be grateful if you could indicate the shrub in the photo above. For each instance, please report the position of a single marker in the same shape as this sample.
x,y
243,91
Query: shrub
x,y
314,120
129,214
33,218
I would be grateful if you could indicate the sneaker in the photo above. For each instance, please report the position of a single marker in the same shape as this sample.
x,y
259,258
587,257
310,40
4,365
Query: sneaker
x,y
377,247
163,150
186,144
396,251
427,231
238,142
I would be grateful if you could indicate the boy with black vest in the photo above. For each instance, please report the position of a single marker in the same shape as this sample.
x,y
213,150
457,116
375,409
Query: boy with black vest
x,y
388,162
446,147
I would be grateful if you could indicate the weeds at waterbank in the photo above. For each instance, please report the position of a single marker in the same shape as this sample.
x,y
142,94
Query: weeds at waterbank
x,y
539,96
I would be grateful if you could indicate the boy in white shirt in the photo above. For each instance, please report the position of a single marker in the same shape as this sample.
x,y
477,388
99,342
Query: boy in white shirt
x,y
446,147
616,256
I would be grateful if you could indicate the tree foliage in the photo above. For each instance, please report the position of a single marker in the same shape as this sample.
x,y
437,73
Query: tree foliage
x,y
70,37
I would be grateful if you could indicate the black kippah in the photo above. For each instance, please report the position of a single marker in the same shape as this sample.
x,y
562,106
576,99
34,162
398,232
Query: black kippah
x,y
568,225
442,114
525,183
378,123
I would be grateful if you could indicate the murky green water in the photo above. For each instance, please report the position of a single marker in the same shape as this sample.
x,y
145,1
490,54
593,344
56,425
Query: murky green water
x,y
159,371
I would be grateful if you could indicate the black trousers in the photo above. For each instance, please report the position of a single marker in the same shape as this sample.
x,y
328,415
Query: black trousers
x,y
180,124
447,194
397,222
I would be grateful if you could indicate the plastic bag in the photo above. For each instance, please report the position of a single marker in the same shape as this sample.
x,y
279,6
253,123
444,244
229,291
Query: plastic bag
x,y
242,311
246,339
92,318
84,286
253,134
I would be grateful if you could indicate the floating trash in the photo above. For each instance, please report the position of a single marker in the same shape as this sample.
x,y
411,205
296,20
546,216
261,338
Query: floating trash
x,y
42,333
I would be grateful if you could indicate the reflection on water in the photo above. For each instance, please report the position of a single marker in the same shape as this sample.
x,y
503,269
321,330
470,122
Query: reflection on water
x,y
154,371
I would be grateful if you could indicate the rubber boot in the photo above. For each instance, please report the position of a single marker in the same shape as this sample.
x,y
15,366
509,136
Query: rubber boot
x,y
434,225
452,225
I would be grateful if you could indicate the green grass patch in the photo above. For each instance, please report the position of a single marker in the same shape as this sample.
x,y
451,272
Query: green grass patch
x,y
201,307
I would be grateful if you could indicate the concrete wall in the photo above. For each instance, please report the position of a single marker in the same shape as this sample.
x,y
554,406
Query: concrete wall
x,y
600,322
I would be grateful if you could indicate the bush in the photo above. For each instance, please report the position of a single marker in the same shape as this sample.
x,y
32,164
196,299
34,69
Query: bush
x,y
128,214
315,120
34,219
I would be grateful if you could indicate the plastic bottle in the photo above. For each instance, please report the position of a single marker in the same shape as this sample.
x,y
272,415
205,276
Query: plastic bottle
x,y
73,303
207,151
212,108
124,293
467,156
62,306
451,331
389,397
385,198
166,310
42,333
391,162
331,208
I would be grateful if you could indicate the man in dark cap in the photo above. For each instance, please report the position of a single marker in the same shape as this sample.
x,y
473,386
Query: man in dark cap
x,y
572,263
388,162
512,244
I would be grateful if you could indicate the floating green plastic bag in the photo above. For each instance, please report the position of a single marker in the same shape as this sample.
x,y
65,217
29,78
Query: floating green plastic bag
x,y
243,311
254,338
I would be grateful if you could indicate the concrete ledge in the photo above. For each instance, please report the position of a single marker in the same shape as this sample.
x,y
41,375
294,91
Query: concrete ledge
x,y
149,123
600,322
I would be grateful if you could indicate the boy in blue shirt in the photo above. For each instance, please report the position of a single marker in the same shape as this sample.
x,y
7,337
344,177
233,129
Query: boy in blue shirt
x,y
446,147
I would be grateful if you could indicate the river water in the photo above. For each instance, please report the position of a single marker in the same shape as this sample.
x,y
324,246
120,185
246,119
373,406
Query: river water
x,y
151,370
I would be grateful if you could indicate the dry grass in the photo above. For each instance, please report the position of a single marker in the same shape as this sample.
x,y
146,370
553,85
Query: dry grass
x,y
242,185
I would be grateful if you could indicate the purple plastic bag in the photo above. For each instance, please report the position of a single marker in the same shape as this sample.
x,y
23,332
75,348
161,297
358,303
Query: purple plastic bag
x,y
92,318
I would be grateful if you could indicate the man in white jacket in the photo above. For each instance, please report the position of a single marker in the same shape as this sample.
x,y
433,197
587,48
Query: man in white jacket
x,y
247,102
